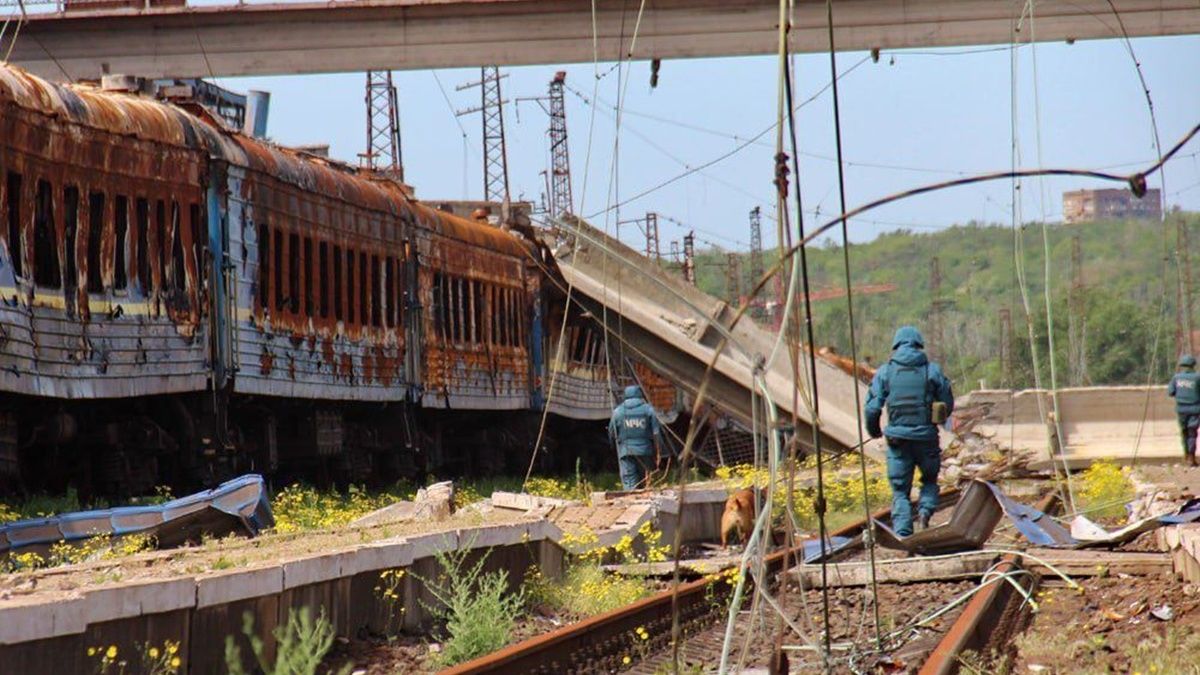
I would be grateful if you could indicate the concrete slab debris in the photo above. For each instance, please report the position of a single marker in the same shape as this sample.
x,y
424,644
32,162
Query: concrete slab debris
x,y
903,571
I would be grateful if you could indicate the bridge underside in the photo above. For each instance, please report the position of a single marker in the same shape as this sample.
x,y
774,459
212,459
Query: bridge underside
x,y
357,35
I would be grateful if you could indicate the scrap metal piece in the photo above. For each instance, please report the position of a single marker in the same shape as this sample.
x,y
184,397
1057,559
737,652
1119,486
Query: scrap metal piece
x,y
975,517
239,504
1084,533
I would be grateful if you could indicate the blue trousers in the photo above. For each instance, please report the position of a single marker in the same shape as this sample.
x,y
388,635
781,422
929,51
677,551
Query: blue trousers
x,y
1188,425
903,457
634,469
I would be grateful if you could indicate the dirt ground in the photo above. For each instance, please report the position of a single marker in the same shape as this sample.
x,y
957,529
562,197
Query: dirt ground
x,y
1110,627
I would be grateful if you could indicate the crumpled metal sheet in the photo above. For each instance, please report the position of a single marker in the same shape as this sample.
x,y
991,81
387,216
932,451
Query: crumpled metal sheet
x,y
982,506
239,504
1085,534
812,547
975,517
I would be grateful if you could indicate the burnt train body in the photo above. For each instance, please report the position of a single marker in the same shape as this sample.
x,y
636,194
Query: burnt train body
x,y
181,301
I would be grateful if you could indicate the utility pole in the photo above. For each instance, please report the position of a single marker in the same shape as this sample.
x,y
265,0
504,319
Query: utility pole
x,y
733,278
689,258
560,163
756,254
1185,287
936,305
1076,318
1006,346
495,158
652,250
383,126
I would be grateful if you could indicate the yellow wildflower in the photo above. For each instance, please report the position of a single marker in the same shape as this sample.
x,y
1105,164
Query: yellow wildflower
x,y
111,653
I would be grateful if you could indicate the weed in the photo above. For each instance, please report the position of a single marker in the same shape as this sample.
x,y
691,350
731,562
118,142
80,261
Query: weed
x,y
300,645
151,659
1103,490
585,589
98,547
478,610
388,592
300,507
221,563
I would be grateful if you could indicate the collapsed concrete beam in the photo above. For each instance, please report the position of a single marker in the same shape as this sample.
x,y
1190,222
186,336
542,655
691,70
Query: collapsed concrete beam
x,y
677,329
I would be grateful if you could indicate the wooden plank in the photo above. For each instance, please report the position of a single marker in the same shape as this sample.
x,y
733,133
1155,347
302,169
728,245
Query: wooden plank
x,y
1099,563
903,571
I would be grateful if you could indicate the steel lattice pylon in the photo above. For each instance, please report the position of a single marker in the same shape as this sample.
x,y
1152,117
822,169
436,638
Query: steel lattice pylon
x,y
652,250
756,251
560,164
495,155
689,257
383,125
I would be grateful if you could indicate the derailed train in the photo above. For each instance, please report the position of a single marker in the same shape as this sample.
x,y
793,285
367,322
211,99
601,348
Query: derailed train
x,y
179,301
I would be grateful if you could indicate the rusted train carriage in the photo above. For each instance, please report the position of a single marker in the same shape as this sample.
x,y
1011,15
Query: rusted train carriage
x,y
179,299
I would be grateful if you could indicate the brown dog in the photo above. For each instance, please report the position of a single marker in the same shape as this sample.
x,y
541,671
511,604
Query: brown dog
x,y
738,518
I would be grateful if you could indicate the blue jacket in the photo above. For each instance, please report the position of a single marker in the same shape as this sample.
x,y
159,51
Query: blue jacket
x,y
1185,389
908,355
634,425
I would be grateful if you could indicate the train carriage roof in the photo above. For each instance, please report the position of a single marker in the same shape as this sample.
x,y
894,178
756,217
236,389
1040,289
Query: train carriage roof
x,y
149,119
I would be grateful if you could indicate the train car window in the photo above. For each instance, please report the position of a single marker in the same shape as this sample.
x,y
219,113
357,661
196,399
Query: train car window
x,y
13,190
309,303
264,266
376,288
520,317
337,282
477,333
95,280
512,318
503,317
437,306
351,317
199,241
160,243
121,228
323,277
364,297
397,310
448,307
178,271
141,215
294,263
455,309
493,325
390,292
45,255
70,229
277,288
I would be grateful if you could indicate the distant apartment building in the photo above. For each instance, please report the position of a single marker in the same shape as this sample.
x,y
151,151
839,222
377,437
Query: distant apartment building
x,y
1081,206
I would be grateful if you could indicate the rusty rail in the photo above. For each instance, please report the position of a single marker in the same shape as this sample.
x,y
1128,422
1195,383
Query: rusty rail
x,y
988,616
603,642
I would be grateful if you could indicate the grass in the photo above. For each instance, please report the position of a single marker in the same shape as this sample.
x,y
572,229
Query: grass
x,y
843,494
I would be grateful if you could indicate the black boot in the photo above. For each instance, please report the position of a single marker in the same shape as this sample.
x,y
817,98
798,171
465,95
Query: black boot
x,y
924,519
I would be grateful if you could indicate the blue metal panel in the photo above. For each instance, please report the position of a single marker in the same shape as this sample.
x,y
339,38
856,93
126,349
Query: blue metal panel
x,y
218,254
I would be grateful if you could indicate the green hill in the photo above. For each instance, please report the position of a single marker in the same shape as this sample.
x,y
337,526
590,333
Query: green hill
x,y
1128,298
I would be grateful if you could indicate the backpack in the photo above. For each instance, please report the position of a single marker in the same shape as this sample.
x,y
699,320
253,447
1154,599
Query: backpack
x,y
909,398
1187,389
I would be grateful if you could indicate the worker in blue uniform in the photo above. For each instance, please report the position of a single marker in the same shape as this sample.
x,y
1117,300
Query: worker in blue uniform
x,y
635,429
918,398
1185,389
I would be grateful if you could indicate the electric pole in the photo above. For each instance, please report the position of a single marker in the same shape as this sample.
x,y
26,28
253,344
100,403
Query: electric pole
x,y
733,278
495,158
560,163
1006,346
689,258
652,250
383,126
756,254
1076,319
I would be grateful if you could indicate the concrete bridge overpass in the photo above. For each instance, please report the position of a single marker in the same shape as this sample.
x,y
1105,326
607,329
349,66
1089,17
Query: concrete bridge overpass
x,y
158,40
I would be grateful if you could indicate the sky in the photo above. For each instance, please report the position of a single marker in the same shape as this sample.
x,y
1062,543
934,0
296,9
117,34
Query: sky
x,y
912,118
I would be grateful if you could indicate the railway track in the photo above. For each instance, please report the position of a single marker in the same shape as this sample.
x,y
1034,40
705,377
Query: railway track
x,y
638,632
637,638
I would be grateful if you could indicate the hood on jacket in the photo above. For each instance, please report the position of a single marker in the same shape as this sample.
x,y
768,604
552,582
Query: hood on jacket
x,y
910,336
633,395
908,346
